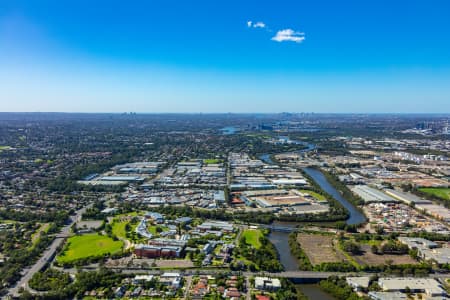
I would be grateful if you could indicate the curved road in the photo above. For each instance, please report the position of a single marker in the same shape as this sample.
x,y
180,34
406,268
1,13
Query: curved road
x,y
48,254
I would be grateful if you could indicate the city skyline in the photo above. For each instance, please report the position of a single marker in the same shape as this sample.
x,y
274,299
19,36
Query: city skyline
x,y
228,56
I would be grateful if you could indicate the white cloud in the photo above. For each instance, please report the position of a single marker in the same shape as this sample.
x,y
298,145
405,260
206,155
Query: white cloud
x,y
289,35
259,25
252,24
285,35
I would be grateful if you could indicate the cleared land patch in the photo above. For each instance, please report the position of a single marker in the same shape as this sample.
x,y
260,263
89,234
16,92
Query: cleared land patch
x,y
319,248
371,259
91,224
83,246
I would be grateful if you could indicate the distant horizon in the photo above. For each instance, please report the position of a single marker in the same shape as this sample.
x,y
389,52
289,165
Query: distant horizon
x,y
227,113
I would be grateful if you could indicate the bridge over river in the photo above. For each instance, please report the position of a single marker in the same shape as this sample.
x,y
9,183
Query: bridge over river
x,y
279,228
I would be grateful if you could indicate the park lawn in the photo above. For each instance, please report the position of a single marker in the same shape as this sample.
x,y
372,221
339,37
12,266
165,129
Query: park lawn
x,y
130,214
9,222
35,236
252,237
246,261
217,249
313,194
118,229
84,246
152,229
211,161
443,193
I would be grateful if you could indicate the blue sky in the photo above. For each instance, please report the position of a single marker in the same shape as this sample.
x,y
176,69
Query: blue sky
x,y
225,56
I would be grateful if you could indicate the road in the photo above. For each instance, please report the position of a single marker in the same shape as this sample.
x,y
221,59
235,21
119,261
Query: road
x,y
248,289
48,255
214,271
187,286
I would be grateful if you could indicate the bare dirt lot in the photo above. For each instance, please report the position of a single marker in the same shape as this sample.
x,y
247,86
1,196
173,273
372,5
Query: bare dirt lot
x,y
319,248
368,258
89,224
175,263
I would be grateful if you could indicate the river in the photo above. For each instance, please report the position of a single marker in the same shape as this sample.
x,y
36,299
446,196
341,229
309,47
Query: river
x,y
229,130
356,217
280,239
314,292
308,147
289,262
267,159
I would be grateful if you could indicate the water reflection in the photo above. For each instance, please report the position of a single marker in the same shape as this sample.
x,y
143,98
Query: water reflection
x,y
281,241
313,292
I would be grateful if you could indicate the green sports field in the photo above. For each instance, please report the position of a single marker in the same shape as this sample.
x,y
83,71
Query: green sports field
x,y
443,193
212,161
83,246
